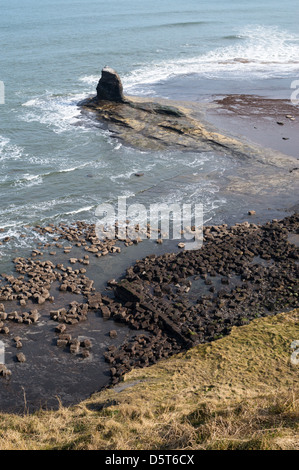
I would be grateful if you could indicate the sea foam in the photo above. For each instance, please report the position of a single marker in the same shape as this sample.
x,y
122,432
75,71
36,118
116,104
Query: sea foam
x,y
259,52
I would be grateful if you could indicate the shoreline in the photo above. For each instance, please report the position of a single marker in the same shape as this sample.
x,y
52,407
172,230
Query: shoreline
x,y
172,309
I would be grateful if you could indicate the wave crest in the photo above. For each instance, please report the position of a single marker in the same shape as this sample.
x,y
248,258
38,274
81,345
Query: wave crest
x,y
259,52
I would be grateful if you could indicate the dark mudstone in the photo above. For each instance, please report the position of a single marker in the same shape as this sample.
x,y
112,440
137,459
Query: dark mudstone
x,y
110,87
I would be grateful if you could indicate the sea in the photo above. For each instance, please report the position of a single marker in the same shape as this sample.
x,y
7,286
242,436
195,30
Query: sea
x,y
57,164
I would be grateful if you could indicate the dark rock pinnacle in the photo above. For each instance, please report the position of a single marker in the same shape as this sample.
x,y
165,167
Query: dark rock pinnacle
x,y
110,87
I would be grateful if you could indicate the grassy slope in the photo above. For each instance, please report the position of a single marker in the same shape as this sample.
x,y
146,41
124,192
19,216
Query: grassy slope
x,y
240,392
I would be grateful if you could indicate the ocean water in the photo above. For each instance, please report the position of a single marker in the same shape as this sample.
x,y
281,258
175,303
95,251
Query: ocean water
x,y
56,164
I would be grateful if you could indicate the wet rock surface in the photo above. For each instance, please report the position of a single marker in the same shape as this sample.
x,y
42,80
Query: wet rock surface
x,y
168,303
158,124
153,125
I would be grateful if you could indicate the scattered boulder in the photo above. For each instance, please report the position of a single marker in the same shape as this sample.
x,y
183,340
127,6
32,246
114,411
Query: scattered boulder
x,y
60,328
4,371
86,343
62,343
21,357
85,354
75,346
105,312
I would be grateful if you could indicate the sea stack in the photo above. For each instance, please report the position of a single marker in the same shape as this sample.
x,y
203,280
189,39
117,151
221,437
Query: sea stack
x,y
110,87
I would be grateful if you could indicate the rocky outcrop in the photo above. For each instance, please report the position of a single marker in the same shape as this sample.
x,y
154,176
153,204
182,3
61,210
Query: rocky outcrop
x,y
152,124
157,124
110,87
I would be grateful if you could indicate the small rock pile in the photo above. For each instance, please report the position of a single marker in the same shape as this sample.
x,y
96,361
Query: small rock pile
x,y
4,371
79,234
75,314
18,317
155,291
74,345
142,351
